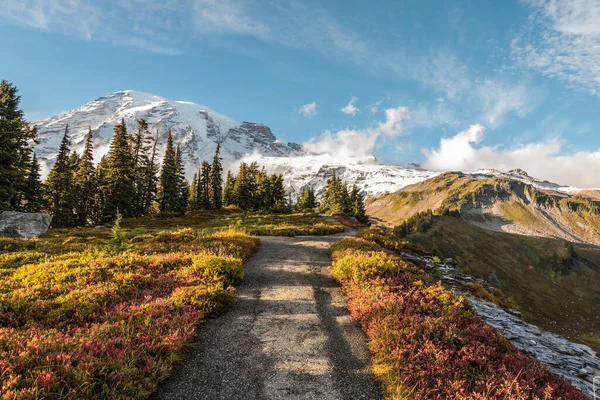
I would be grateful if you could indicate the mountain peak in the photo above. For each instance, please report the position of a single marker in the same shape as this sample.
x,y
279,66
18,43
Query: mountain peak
x,y
196,128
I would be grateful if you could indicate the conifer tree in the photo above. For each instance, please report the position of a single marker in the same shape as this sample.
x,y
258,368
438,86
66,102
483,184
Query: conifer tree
x,y
204,186
242,190
216,180
59,187
33,189
119,176
149,178
169,189
15,151
307,201
85,182
142,147
100,194
192,205
228,198
264,195
278,198
358,206
182,184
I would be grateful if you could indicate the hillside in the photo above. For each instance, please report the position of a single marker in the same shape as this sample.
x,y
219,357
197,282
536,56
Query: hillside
x,y
196,128
513,235
498,204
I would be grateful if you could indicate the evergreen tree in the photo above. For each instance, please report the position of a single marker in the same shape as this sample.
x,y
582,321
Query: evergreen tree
x,y
242,190
99,197
15,151
192,205
60,195
264,196
119,176
169,189
204,186
182,184
143,151
228,198
33,191
149,178
306,201
278,198
85,182
358,206
216,180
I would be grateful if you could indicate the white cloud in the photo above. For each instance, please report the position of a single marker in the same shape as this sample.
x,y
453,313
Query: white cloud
x,y
358,142
544,160
351,109
309,110
563,41
393,121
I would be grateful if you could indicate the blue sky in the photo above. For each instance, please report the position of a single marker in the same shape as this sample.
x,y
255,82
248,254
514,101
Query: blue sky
x,y
447,84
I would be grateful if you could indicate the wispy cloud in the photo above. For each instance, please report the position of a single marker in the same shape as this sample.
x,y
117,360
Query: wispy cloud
x,y
464,152
374,108
359,142
167,27
562,41
309,110
350,108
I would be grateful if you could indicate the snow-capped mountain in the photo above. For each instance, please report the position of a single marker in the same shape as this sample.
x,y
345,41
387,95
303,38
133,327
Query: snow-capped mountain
x,y
196,128
371,177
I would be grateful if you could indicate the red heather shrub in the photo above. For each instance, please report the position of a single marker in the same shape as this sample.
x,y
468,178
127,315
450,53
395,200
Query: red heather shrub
x,y
425,341
96,325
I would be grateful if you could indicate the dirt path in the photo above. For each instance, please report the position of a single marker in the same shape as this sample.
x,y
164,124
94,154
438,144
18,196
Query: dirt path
x,y
288,334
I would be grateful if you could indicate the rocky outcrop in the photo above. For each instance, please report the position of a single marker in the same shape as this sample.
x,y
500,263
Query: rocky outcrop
x,y
576,362
23,225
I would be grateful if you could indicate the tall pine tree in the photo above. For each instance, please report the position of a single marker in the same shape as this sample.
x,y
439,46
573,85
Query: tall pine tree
x,y
204,186
15,152
228,197
85,182
169,181
33,189
59,193
119,176
216,180
150,178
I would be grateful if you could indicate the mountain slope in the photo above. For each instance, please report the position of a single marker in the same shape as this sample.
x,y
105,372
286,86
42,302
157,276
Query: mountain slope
x,y
498,204
371,177
196,128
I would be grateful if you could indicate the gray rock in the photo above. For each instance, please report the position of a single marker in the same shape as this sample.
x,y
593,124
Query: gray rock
x,y
100,227
23,225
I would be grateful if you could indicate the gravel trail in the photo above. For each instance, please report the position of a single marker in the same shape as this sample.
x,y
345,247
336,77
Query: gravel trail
x,y
287,335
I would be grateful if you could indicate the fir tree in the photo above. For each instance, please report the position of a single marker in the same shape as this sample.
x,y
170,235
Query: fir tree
x,y
242,190
204,186
149,179
216,180
33,190
228,198
15,151
358,206
85,182
119,176
59,187
169,189
182,184
192,205
307,201
278,198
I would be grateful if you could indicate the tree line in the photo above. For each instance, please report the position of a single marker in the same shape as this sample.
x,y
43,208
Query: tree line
x,y
129,180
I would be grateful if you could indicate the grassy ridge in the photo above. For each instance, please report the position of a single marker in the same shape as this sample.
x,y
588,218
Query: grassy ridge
x,y
425,341
520,266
